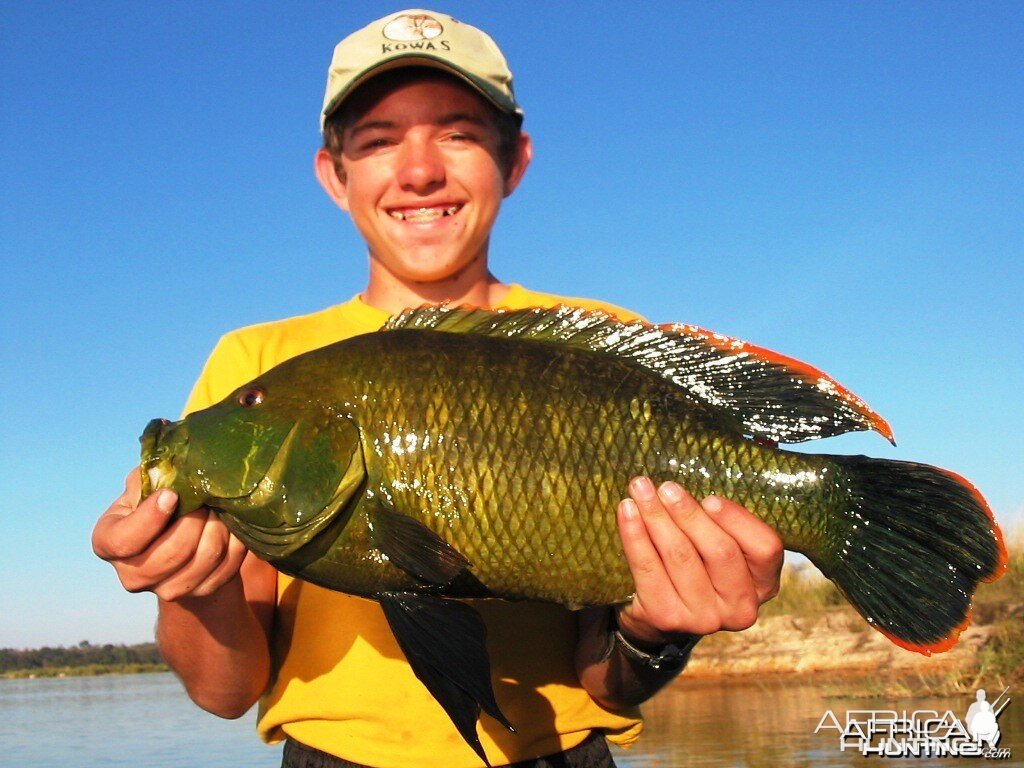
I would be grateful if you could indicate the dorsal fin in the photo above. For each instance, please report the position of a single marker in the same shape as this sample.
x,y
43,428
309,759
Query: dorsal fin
x,y
774,396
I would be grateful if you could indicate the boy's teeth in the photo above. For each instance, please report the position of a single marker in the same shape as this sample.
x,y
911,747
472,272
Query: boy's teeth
x,y
424,214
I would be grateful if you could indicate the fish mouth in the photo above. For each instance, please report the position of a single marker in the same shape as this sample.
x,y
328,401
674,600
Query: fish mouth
x,y
165,463
157,465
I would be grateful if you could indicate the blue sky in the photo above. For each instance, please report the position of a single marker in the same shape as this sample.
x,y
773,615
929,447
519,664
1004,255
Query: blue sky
x,y
838,181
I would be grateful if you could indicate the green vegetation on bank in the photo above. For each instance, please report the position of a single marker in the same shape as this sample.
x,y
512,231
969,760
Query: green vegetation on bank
x,y
82,659
1002,603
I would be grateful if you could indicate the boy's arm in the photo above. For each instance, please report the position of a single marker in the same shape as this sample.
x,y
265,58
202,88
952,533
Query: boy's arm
x,y
698,568
216,603
219,644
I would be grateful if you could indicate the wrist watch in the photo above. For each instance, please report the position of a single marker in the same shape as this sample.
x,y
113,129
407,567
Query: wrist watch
x,y
668,658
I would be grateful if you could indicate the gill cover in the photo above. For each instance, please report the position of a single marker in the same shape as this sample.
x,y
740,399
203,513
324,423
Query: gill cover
x,y
277,472
313,476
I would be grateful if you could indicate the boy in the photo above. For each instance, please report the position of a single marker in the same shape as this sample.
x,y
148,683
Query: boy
x,y
422,142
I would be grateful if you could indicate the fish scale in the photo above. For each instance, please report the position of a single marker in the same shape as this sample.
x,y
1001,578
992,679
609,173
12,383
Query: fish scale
x,y
538,523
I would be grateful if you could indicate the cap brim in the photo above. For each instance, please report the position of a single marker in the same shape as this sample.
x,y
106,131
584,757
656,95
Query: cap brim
x,y
421,60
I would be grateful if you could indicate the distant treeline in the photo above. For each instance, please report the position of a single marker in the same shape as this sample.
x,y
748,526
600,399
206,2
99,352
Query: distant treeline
x,y
85,654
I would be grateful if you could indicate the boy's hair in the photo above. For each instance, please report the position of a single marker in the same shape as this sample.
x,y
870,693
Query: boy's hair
x,y
507,125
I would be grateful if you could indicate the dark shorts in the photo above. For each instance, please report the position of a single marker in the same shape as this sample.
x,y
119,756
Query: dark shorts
x,y
591,753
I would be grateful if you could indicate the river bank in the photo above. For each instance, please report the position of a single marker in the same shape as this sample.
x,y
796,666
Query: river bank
x,y
87,671
808,634
82,660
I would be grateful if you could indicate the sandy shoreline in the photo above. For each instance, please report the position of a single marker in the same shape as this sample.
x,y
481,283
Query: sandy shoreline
x,y
837,646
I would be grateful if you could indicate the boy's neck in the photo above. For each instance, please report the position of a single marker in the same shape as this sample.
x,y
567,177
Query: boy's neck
x,y
392,294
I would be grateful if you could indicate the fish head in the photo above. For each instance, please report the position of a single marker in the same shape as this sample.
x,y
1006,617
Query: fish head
x,y
276,464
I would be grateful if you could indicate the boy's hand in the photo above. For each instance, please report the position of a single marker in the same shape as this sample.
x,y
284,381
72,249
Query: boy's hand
x,y
698,567
194,555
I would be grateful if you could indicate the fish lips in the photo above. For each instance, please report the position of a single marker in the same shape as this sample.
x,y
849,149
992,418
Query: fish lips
x,y
168,453
163,450
152,454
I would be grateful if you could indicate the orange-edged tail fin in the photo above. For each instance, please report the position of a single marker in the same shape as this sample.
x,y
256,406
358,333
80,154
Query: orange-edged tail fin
x,y
1003,564
910,549
939,646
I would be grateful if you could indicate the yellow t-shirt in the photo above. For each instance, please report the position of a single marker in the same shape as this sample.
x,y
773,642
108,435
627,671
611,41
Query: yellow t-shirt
x,y
342,685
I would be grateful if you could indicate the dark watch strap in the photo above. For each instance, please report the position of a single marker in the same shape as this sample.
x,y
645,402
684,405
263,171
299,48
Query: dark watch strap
x,y
669,658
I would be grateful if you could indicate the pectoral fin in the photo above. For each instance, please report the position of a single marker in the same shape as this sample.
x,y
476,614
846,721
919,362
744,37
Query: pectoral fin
x,y
414,548
445,643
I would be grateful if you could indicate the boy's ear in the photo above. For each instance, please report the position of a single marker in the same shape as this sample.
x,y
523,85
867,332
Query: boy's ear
x,y
524,154
327,175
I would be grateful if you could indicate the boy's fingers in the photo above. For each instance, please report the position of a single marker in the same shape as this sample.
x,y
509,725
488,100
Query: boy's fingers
x,y
649,577
200,561
133,487
227,570
719,556
762,548
123,532
672,584
172,550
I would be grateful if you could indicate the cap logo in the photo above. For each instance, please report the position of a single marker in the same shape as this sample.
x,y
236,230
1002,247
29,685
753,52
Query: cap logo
x,y
409,27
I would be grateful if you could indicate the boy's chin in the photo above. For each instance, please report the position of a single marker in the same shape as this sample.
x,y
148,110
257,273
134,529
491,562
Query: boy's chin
x,y
439,270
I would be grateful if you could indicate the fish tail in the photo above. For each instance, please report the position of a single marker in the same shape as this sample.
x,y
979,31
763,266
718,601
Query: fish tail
x,y
911,549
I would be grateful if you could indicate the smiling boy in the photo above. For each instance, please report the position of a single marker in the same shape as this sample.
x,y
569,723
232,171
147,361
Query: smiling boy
x,y
416,159
422,143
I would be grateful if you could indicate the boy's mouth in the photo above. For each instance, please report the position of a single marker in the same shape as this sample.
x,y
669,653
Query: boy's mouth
x,y
424,214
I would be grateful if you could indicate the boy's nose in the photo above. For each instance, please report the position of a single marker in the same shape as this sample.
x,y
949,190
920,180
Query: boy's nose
x,y
421,167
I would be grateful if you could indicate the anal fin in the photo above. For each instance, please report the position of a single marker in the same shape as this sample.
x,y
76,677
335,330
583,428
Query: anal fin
x,y
445,643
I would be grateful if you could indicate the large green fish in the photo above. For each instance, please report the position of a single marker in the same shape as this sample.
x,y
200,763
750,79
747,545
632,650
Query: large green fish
x,y
470,453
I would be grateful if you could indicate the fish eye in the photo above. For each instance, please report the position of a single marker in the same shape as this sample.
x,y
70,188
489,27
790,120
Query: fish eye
x,y
251,397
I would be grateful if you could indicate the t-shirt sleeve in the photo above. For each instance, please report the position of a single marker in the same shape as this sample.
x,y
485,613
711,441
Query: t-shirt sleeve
x,y
550,300
230,364
620,313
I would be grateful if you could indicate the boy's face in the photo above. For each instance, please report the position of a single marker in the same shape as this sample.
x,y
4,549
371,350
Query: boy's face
x,y
421,179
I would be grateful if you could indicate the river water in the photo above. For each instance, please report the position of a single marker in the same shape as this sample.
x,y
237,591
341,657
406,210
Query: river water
x,y
146,721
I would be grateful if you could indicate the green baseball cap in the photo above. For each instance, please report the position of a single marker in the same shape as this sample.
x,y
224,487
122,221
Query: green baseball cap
x,y
422,39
